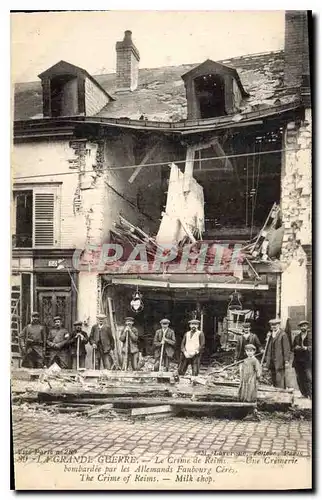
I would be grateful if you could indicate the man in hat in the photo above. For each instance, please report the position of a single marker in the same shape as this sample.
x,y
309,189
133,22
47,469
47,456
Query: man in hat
x,y
130,337
102,340
191,348
79,337
246,338
58,345
32,343
278,353
165,337
302,350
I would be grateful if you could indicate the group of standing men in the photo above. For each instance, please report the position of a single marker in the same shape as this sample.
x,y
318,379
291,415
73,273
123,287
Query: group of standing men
x,y
277,354
69,352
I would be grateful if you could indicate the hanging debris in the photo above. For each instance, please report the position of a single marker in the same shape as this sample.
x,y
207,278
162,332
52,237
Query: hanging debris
x,y
268,243
183,218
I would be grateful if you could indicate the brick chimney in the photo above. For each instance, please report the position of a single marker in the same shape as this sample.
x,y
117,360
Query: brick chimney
x,y
127,64
296,47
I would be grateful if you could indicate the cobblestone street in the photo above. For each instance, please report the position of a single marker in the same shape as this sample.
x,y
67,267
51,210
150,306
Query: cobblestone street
x,y
175,436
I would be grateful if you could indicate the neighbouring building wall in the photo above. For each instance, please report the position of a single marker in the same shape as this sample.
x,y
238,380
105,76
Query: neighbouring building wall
x,y
296,207
81,192
95,98
88,297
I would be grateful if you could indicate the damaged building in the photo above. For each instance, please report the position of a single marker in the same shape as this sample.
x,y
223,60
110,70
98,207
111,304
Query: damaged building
x,y
114,158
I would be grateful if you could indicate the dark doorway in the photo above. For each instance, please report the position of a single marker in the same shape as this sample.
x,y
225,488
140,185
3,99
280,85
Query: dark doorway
x,y
210,93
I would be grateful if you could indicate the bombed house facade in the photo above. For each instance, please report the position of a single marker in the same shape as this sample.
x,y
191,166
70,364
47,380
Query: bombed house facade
x,y
112,158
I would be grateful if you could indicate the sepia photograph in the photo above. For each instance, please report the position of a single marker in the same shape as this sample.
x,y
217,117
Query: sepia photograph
x,y
161,250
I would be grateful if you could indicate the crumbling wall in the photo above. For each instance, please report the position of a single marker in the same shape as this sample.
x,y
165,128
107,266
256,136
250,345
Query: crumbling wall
x,y
296,212
138,201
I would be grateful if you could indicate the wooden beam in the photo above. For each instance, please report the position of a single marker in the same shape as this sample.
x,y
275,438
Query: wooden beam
x,y
187,231
188,170
146,158
215,144
148,410
220,152
97,409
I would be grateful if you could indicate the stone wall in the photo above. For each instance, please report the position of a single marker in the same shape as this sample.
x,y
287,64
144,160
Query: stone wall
x,y
296,204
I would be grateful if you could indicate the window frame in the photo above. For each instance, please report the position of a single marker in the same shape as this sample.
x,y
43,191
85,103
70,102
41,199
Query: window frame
x,y
42,188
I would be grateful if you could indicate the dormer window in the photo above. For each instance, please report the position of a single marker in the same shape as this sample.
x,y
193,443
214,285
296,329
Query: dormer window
x,y
70,91
213,90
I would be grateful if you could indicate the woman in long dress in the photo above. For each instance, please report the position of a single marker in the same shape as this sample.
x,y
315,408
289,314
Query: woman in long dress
x,y
250,372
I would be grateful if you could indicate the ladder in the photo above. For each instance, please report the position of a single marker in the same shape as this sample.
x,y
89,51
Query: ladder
x,y
15,318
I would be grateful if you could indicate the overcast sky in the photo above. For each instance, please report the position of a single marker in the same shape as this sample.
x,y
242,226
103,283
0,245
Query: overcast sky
x,y
87,39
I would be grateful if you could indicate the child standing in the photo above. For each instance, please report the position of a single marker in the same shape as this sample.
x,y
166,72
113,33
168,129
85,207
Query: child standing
x,y
250,372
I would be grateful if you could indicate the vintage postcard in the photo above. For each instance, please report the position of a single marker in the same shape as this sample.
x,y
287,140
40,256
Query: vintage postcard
x,y
161,250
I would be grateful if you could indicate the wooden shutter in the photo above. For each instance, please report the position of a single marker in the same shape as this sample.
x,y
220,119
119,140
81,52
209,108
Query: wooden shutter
x,y
44,219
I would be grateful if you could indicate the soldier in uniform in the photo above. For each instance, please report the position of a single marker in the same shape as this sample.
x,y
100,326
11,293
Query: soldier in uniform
x,y
58,345
32,343
165,336
246,338
130,336
278,353
102,340
302,359
191,348
78,336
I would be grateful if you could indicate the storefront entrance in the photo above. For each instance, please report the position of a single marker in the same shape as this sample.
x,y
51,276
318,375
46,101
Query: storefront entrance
x,y
55,296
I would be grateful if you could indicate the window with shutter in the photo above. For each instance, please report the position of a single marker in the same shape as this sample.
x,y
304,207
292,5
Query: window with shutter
x,y
44,219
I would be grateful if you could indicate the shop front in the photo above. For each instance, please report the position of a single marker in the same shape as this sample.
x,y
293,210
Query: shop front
x,y
183,297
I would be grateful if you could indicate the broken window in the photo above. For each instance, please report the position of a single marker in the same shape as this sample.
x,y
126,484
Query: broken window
x,y
210,95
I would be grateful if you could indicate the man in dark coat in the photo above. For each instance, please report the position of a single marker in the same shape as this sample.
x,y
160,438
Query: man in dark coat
x,y
278,353
80,337
246,338
32,343
302,360
130,336
58,345
191,348
102,340
165,336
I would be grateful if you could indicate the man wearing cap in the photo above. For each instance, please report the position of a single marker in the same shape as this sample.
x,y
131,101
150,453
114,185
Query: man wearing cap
x,y
246,338
80,337
191,348
130,337
102,340
58,345
278,353
302,350
165,337
32,343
